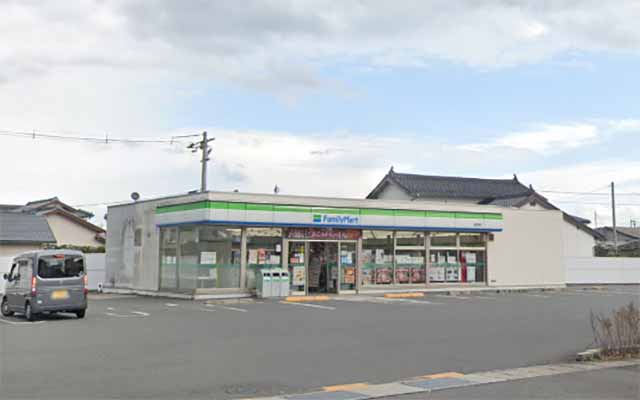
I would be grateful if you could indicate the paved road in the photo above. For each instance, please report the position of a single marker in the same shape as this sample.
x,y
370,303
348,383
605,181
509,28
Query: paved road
x,y
154,348
613,383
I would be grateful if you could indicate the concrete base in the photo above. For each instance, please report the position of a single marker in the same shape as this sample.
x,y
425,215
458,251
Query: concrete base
x,y
230,294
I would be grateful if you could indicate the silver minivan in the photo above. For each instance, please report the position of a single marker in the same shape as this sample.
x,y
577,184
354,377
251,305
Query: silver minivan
x,y
46,281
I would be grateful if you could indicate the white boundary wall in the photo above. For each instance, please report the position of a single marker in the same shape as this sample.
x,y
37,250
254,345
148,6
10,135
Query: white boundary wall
x,y
95,269
605,270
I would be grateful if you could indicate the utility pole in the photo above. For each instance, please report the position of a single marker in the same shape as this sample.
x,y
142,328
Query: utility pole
x,y
613,213
202,145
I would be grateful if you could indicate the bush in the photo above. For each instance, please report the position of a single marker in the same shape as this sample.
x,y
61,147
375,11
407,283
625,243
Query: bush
x,y
618,334
84,249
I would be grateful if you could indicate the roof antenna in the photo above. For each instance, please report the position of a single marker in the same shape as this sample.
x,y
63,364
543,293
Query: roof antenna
x,y
515,177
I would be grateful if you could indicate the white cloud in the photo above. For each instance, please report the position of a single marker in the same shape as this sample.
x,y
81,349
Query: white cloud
x,y
556,138
594,178
279,46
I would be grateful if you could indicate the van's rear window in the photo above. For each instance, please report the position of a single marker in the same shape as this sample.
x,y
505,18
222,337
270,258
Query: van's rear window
x,y
60,266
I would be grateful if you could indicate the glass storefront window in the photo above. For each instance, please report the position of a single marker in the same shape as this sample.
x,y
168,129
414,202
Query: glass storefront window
x,y
410,266
348,265
297,270
443,239
169,258
414,239
377,258
472,240
473,266
264,250
445,266
209,257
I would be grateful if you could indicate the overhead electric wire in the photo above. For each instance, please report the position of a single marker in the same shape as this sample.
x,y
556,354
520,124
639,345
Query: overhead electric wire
x,y
92,139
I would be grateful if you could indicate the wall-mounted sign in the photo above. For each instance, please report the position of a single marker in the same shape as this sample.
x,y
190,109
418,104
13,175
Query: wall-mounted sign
x,y
323,233
331,219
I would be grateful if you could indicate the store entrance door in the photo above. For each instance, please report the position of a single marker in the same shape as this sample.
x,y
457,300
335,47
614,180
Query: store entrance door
x,y
322,269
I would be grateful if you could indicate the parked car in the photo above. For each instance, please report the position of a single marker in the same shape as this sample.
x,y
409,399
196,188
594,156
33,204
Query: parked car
x,y
46,281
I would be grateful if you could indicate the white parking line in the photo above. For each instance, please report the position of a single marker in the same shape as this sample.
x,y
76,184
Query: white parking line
x,y
171,305
142,313
6,321
452,296
233,308
535,295
309,305
410,301
207,309
120,315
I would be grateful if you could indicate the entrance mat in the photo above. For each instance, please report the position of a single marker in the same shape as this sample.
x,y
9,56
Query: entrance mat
x,y
339,395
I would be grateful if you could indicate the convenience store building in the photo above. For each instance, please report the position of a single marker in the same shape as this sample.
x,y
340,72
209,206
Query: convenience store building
x,y
215,242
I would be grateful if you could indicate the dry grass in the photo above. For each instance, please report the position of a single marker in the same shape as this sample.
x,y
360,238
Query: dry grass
x,y
618,334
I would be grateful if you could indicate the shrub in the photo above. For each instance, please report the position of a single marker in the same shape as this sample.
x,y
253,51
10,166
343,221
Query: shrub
x,y
618,334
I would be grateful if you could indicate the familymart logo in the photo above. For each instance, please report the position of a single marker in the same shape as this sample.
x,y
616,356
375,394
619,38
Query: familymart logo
x,y
330,219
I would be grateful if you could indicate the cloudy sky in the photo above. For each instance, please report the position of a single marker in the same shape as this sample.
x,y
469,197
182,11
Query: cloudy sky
x,y
321,97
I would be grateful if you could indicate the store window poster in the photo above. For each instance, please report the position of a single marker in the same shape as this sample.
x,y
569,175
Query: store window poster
x,y
402,275
383,275
298,276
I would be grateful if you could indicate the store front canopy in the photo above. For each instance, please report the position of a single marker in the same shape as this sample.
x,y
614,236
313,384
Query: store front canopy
x,y
288,215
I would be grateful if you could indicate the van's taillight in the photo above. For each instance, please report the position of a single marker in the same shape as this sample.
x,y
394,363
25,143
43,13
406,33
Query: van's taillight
x,y
34,292
86,284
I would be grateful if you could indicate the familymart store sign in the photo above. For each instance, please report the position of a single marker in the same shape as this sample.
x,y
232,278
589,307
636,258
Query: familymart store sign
x,y
260,214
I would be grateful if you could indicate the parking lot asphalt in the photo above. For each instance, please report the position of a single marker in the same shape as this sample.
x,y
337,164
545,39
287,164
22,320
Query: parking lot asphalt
x,y
134,347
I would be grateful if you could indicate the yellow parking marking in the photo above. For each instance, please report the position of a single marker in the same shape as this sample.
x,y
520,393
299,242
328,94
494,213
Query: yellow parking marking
x,y
403,295
292,299
444,375
347,387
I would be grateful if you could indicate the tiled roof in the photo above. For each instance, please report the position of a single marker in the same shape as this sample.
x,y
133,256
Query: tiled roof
x,y
453,187
24,228
629,231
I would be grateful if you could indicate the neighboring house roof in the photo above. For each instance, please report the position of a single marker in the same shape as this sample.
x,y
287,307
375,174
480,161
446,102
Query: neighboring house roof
x,y
624,234
498,192
74,218
51,204
18,228
635,232
451,187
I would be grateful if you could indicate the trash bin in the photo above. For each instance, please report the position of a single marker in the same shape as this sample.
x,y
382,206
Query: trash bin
x,y
275,282
285,283
264,283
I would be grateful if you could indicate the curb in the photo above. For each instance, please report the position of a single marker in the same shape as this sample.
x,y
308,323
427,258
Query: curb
x,y
443,381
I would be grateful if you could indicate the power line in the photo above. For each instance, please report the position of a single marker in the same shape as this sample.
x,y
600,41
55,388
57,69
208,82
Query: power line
x,y
91,139
588,193
596,203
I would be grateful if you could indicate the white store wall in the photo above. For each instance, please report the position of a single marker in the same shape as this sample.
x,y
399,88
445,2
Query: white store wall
x,y
530,250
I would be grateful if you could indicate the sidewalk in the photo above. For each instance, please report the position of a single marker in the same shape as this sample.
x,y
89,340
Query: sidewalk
x,y
610,383
509,381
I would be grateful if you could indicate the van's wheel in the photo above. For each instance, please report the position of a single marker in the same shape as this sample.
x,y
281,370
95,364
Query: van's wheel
x,y
4,308
28,312
80,314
